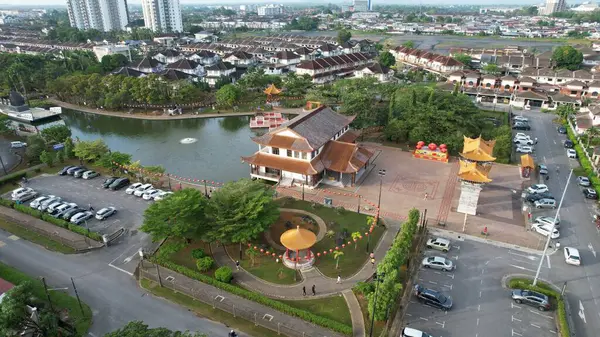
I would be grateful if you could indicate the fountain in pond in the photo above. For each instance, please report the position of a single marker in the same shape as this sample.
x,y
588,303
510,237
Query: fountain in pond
x,y
188,140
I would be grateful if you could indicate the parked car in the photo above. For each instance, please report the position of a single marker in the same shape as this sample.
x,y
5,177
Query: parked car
x,y
59,211
44,204
537,188
410,332
568,144
562,130
532,298
542,169
79,173
583,181
70,213
16,194
590,193
17,145
132,188
109,181
548,220
90,175
119,184
36,203
162,196
438,262
150,194
142,189
433,298
81,217
54,206
105,213
521,126
524,149
523,141
26,197
63,172
572,256
533,197
545,230
521,119
571,154
439,244
545,203
73,169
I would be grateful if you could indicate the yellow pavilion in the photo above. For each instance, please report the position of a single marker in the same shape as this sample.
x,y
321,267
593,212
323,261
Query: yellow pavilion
x,y
297,243
473,172
272,90
478,149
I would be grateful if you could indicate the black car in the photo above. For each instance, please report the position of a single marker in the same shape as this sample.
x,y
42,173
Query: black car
x,y
109,181
590,193
433,298
119,184
63,172
568,144
533,197
562,130
72,170
69,214
521,126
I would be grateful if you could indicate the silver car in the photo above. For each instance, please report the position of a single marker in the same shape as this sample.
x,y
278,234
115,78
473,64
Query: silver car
x,y
438,262
36,203
439,244
105,213
81,217
44,205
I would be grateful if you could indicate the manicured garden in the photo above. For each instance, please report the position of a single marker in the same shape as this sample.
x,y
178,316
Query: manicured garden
x,y
333,307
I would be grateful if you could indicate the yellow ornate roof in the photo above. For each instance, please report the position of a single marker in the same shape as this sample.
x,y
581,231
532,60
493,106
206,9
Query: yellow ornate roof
x,y
473,172
272,90
527,161
298,239
478,149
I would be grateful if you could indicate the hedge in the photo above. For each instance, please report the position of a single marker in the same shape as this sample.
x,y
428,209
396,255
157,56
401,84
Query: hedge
x,y
259,298
541,287
583,160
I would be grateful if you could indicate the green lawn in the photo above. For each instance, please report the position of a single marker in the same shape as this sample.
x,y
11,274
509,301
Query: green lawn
x,y
60,299
203,310
36,238
265,267
333,307
354,258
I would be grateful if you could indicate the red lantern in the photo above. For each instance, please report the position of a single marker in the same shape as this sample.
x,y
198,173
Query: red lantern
x,y
371,230
281,256
262,250
444,150
319,254
432,146
419,147
366,234
420,143
331,250
443,146
273,254
350,242
255,247
337,248
324,252
343,245
249,245
354,240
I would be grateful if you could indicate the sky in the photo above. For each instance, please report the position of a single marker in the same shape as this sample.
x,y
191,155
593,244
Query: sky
x,y
213,2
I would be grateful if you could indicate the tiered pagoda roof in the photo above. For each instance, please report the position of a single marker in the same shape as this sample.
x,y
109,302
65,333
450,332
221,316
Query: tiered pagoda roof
x,y
272,90
478,149
474,172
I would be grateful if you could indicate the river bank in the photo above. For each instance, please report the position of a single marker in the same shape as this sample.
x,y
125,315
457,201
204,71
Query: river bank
x,y
104,112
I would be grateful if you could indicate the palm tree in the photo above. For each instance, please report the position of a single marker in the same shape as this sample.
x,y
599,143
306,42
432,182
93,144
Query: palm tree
x,y
336,255
355,237
591,133
252,254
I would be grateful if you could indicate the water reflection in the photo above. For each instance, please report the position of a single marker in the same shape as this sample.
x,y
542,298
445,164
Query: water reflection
x,y
215,156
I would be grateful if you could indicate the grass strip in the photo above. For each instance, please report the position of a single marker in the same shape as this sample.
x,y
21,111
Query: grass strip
x,y
333,307
36,238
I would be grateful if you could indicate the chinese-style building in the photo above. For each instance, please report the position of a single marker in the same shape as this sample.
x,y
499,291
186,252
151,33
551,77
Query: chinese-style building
x,y
475,165
313,148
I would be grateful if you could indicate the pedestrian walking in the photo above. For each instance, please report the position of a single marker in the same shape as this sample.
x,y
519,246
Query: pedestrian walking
x,y
547,177
372,255
426,195
91,208
314,290
339,279
373,262
237,264
303,290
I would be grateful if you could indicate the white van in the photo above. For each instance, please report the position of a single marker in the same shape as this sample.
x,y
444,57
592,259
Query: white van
x,y
410,332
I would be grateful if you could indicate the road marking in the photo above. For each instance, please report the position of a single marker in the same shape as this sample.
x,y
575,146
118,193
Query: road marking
x,y
592,249
14,237
537,326
515,333
582,312
437,272
120,269
91,334
432,282
512,305
478,309
442,324
537,313
423,318
450,276
481,281
480,294
448,286
529,257
514,319
477,321
522,268
482,271
548,260
455,257
409,315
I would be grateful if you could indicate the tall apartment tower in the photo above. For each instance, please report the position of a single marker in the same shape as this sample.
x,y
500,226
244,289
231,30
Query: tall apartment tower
x,y
103,15
162,15
553,6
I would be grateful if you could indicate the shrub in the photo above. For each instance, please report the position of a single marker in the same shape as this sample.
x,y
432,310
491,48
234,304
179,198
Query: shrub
x,y
205,263
28,210
169,248
224,274
198,253
7,203
13,177
364,288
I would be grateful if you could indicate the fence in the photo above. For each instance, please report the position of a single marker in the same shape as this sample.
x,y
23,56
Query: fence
x,y
222,300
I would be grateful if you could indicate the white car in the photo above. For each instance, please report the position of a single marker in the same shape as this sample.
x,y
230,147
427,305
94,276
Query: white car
x,y
44,204
21,191
521,119
54,206
583,181
142,189
572,256
162,196
132,188
439,244
545,203
522,141
90,174
81,217
522,135
105,213
36,203
524,149
545,230
548,220
18,145
150,194
571,154
410,332
537,188
438,262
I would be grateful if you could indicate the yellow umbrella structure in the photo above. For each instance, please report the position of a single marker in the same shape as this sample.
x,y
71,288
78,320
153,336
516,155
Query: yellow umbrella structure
x,y
296,240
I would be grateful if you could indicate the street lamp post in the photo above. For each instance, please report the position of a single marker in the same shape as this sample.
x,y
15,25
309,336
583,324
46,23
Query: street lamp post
x,y
378,279
381,174
4,168
537,273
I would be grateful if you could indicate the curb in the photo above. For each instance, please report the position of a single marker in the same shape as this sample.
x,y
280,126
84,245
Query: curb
x,y
461,237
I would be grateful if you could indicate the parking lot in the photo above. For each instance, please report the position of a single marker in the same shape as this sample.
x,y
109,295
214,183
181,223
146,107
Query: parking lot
x,y
481,306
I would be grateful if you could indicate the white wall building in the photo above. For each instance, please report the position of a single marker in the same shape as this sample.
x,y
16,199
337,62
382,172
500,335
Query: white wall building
x,y
587,6
103,15
111,49
162,15
270,10
553,6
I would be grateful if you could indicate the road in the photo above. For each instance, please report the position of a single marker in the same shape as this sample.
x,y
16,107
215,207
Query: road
x,y
577,230
114,296
8,157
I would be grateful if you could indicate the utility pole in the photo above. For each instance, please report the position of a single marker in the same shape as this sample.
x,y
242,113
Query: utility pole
x,y
4,168
158,273
537,273
47,294
77,295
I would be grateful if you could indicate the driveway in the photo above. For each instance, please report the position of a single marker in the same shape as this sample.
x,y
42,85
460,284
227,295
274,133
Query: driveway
x,y
10,157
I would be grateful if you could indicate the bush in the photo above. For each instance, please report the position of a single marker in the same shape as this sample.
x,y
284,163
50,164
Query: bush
x,y
205,263
364,288
13,177
28,210
224,274
198,253
169,248
7,203
259,298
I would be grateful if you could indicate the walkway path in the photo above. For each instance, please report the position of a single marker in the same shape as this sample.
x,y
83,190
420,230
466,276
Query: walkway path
x,y
320,223
358,321
294,111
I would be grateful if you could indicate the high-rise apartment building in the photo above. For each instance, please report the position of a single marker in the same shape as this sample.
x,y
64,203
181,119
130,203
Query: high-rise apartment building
x,y
162,15
103,15
361,5
553,6
270,10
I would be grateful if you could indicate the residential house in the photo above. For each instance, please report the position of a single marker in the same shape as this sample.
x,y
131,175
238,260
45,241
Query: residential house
x,y
188,67
168,56
217,71
240,59
328,50
305,53
129,72
374,70
204,57
147,65
327,69
587,118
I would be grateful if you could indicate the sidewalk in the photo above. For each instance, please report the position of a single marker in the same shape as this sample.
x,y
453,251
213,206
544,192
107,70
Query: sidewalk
x,y
294,111
62,235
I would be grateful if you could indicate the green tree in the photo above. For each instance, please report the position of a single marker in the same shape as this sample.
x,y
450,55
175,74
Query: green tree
x,y
355,237
591,133
565,111
241,211
504,145
139,329
47,158
109,159
492,69
90,150
567,57
60,156
463,58
297,85
5,125
35,146
409,44
252,254
387,59
182,215
227,95
343,36
337,255
69,148
56,134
